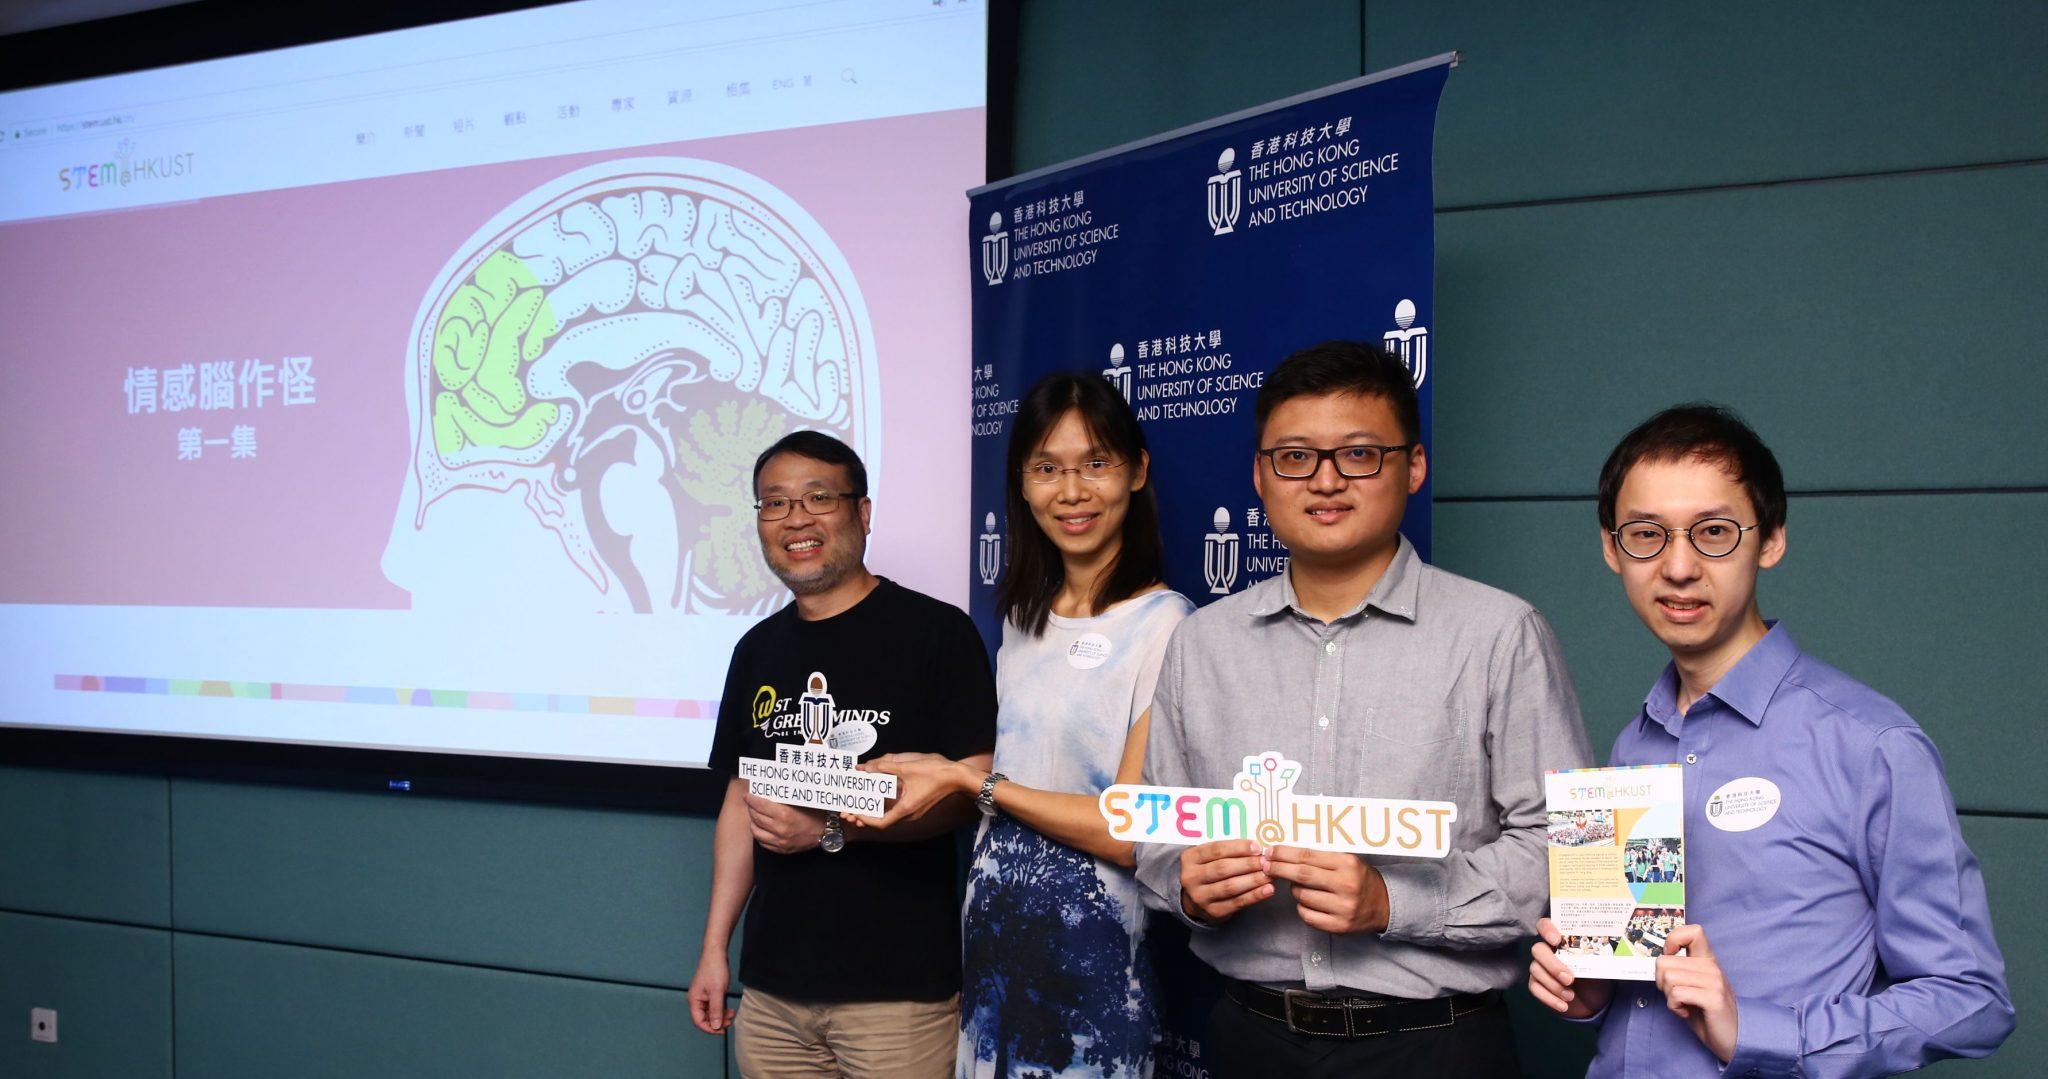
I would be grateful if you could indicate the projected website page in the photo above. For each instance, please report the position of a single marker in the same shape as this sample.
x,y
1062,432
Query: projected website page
x,y
403,391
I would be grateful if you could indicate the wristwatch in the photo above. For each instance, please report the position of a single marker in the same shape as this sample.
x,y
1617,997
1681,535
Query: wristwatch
x,y
987,798
834,839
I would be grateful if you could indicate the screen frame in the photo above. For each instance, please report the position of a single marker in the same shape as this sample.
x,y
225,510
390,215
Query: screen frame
x,y
217,29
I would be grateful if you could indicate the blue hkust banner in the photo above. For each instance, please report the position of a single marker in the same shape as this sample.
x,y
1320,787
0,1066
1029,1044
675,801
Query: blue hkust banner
x,y
1183,268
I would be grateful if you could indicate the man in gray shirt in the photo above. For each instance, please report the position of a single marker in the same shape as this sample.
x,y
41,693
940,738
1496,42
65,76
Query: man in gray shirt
x,y
1385,678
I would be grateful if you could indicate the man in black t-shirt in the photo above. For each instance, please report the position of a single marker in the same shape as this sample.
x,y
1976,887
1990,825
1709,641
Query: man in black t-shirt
x,y
851,952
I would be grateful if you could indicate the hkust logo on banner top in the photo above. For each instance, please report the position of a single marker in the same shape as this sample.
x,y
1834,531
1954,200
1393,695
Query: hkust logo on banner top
x,y
1049,235
995,251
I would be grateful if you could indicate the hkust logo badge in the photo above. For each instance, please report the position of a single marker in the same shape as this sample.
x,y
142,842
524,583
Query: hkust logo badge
x,y
1118,372
1742,805
1409,341
819,773
1262,804
995,250
1219,554
1226,193
988,550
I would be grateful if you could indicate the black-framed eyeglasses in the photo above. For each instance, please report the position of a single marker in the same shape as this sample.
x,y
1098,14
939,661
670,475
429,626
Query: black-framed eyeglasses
x,y
815,503
1094,470
1353,462
1714,537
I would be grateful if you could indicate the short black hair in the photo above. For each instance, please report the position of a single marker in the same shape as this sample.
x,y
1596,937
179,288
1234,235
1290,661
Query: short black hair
x,y
1700,431
1364,368
818,446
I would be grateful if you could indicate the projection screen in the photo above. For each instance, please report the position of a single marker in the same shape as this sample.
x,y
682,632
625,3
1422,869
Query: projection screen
x,y
401,392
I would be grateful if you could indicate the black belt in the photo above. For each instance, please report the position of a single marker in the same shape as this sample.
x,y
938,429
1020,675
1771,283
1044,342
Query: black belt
x,y
1355,1017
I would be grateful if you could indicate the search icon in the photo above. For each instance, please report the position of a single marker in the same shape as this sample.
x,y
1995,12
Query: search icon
x,y
846,75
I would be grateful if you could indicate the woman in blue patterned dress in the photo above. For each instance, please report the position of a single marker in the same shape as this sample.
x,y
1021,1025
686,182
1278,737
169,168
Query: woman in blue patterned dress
x,y
1056,978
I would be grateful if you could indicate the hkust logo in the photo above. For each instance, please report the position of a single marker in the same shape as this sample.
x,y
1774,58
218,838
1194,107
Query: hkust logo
x,y
1226,193
1220,551
988,550
126,168
1118,372
995,250
1409,341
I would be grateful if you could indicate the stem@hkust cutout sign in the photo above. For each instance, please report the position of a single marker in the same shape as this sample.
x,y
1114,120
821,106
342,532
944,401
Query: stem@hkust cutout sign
x,y
1262,805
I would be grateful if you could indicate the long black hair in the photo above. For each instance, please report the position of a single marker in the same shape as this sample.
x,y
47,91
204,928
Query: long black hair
x,y
1036,573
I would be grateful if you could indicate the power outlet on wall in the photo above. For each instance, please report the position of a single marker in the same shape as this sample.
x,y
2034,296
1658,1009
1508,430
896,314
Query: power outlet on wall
x,y
42,1024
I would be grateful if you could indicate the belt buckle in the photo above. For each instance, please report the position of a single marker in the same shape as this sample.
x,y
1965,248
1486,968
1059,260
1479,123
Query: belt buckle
x,y
1291,996
1287,999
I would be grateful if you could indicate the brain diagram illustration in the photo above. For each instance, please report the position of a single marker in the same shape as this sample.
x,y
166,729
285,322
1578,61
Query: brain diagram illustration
x,y
611,351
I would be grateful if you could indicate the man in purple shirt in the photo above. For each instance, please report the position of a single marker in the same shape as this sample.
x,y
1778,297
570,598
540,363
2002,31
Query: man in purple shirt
x,y
1837,923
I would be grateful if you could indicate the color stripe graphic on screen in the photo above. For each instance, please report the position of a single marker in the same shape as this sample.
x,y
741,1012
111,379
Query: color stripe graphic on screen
x,y
418,697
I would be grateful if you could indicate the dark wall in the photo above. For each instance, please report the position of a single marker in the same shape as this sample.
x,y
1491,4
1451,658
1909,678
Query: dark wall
x,y
1829,215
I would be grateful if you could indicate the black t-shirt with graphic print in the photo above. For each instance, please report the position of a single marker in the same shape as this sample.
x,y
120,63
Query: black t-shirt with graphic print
x,y
877,920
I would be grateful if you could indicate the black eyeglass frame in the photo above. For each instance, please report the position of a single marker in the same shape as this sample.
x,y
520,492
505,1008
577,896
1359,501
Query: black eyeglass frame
x,y
1740,530
1330,455
831,508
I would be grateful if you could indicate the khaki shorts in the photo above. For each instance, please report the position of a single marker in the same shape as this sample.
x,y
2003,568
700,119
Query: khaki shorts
x,y
775,1037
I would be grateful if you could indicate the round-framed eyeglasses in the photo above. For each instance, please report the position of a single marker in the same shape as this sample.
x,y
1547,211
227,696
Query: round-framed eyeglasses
x,y
1094,470
1353,462
1714,537
815,503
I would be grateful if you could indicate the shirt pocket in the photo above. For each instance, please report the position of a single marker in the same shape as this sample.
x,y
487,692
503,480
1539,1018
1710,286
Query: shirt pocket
x,y
1411,750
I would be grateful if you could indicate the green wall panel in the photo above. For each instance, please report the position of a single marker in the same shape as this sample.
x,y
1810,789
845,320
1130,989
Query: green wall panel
x,y
1560,100
251,1010
1928,598
1881,333
110,986
587,892
2009,849
87,844
1093,75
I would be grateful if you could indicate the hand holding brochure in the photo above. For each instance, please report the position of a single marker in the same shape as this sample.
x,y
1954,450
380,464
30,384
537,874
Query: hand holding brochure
x,y
1617,866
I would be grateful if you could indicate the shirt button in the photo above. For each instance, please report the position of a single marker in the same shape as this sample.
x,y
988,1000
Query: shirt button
x,y
1692,758
1330,648
1315,957
1322,721
1640,1003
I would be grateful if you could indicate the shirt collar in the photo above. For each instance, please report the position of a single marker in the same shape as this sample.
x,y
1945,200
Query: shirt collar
x,y
1395,593
1747,688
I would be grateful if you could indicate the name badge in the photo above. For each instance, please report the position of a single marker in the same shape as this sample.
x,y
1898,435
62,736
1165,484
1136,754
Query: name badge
x,y
1740,805
1089,651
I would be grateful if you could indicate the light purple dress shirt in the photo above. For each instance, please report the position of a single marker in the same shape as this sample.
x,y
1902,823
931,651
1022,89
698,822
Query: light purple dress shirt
x,y
1851,924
